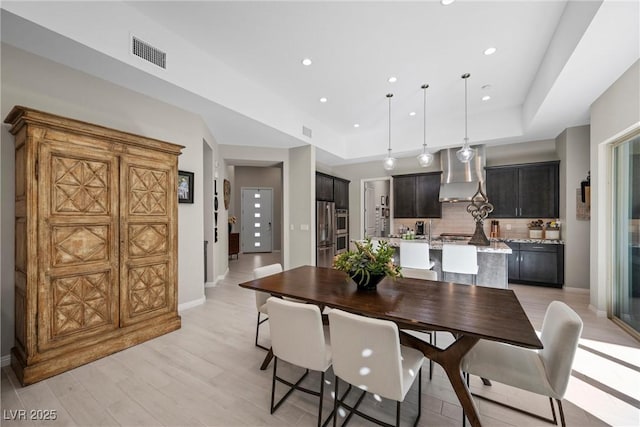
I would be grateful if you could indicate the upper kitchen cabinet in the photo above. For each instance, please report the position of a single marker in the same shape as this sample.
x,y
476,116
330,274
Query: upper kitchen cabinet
x,y
341,193
324,187
524,191
332,189
416,195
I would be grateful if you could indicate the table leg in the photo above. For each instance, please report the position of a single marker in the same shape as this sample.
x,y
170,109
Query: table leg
x,y
267,360
450,359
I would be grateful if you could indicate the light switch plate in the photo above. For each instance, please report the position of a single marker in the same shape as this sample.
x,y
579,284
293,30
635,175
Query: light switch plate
x,y
304,227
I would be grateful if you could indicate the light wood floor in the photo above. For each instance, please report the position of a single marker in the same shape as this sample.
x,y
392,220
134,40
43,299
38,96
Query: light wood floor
x,y
207,374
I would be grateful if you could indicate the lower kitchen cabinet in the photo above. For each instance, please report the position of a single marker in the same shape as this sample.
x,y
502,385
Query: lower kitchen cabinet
x,y
537,264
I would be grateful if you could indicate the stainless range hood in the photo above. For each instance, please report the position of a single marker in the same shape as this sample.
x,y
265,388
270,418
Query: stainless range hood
x,y
460,180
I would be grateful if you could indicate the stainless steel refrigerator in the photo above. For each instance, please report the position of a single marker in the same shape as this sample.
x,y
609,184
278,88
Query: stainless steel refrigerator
x,y
325,233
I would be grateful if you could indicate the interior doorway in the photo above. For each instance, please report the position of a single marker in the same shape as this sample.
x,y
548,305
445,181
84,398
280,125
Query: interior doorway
x,y
256,232
376,198
208,214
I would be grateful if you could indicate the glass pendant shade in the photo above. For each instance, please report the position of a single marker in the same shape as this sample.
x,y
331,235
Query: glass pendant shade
x,y
425,159
466,153
390,162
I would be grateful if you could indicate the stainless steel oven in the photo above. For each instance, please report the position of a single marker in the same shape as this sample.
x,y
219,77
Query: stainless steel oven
x,y
342,243
342,221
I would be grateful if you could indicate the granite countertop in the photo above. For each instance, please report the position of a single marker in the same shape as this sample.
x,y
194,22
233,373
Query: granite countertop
x,y
436,245
527,240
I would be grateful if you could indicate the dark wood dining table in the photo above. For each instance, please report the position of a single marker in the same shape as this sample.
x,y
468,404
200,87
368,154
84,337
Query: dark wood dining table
x,y
470,313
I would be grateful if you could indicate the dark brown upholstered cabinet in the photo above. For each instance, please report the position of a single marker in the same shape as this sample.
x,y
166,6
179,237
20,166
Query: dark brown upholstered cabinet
x,y
524,191
536,264
417,195
234,244
96,242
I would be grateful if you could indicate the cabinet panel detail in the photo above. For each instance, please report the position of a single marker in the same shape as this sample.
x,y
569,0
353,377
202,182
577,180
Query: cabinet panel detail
x,y
147,191
76,245
147,289
148,239
80,303
79,186
96,236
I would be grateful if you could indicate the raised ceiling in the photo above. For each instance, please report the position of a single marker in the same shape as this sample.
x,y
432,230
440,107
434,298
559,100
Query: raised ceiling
x,y
553,59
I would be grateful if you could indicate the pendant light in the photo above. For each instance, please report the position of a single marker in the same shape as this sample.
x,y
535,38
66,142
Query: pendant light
x,y
466,153
389,162
425,158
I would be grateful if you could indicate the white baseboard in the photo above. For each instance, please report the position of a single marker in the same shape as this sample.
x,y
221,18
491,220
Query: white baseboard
x,y
599,313
187,305
222,276
5,360
578,290
210,284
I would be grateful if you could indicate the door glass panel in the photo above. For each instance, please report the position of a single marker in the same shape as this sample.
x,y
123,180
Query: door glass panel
x,y
256,226
626,283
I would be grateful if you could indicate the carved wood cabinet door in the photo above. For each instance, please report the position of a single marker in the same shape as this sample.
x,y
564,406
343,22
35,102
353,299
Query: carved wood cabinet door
x,y
78,252
148,239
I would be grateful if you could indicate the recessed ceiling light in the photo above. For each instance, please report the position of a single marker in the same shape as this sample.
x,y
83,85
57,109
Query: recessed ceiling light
x,y
486,98
323,99
356,125
306,61
446,2
413,113
393,79
490,51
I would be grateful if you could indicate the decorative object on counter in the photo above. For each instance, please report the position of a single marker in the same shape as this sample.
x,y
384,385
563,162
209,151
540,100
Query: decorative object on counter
x,y
466,153
552,230
389,162
495,229
479,208
535,229
425,158
366,266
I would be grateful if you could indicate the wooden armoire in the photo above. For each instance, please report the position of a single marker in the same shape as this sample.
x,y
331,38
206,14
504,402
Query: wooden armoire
x,y
96,242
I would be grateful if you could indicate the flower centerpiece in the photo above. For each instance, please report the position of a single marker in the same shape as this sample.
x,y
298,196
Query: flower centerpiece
x,y
232,220
552,230
368,266
535,229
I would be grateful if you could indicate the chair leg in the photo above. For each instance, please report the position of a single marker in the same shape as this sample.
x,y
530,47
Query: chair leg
x,y
258,323
321,399
434,336
335,402
562,423
398,406
419,396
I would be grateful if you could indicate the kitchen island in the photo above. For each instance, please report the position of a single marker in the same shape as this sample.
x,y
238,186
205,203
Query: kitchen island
x,y
493,265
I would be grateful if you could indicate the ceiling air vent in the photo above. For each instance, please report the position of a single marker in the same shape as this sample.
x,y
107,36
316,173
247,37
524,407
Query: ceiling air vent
x,y
306,131
148,53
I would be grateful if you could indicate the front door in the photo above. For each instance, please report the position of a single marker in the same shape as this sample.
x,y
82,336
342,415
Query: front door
x,y
256,219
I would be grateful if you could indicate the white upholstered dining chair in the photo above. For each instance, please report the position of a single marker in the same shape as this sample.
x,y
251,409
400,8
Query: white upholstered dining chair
x,y
461,259
367,354
544,372
261,297
415,254
298,337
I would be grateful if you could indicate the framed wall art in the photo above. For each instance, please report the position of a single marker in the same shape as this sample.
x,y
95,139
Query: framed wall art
x,y
185,187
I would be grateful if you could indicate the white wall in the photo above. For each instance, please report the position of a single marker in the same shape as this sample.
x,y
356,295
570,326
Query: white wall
x,y
39,83
615,113
573,150
302,194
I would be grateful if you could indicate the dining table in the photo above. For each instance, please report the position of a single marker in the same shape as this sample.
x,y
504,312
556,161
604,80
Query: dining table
x,y
469,313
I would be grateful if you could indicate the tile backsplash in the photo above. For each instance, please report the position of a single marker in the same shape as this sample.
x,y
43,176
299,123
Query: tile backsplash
x,y
456,219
